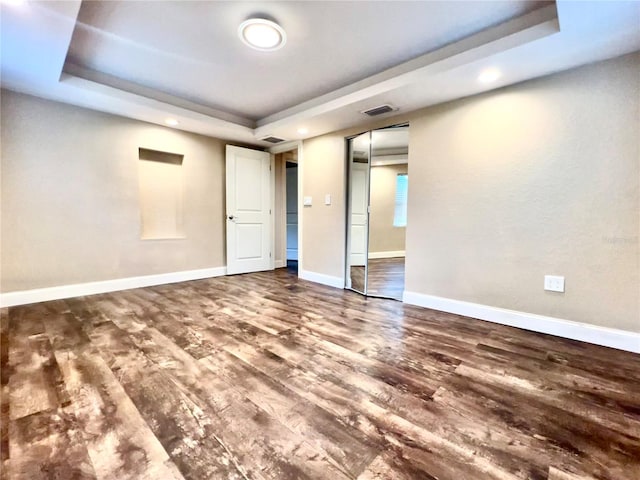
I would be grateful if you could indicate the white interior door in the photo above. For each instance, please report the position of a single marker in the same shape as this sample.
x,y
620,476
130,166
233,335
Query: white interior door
x,y
249,220
359,204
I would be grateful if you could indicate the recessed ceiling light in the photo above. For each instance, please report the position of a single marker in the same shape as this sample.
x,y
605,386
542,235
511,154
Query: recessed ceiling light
x,y
303,131
171,121
262,34
489,75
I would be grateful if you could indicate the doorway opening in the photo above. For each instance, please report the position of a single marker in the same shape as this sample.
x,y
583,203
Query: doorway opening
x,y
292,214
377,211
287,220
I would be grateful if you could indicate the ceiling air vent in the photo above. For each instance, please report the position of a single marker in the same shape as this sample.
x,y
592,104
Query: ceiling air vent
x,y
272,139
375,111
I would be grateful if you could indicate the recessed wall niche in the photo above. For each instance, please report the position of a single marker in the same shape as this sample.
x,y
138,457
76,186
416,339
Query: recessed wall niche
x,y
161,186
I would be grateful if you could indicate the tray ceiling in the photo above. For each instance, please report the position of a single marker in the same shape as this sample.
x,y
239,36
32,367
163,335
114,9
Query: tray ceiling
x,y
152,60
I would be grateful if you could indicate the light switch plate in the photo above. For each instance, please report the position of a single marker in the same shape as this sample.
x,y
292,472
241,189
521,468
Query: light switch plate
x,y
554,283
327,199
307,201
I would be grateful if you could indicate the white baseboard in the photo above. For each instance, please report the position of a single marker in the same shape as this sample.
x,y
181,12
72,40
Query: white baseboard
x,y
389,254
608,337
337,282
23,297
279,263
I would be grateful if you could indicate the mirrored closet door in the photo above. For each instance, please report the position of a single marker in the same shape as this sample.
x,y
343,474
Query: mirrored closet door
x,y
377,211
358,217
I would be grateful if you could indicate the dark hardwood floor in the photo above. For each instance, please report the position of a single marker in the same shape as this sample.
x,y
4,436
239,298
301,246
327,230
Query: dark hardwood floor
x,y
385,277
357,278
264,376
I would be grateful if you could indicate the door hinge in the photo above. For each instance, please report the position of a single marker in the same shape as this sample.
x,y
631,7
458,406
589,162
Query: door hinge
x,y
269,254
269,211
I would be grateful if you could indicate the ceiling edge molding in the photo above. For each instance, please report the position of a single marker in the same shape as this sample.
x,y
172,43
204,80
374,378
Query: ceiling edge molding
x,y
90,88
73,70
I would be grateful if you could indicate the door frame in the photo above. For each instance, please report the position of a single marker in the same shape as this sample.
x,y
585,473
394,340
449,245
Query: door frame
x,y
285,147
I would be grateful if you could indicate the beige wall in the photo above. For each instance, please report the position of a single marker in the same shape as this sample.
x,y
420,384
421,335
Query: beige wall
x,y
537,178
383,236
323,226
70,197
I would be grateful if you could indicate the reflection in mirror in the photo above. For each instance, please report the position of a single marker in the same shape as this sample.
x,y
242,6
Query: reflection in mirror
x,y
388,215
359,153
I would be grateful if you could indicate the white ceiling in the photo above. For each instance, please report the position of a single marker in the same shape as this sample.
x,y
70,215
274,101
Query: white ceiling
x,y
153,60
193,51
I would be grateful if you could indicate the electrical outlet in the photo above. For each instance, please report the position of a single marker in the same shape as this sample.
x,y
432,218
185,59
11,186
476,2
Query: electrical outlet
x,y
307,201
554,283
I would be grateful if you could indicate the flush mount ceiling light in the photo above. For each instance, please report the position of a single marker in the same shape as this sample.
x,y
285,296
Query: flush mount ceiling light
x,y
171,121
489,75
303,131
262,34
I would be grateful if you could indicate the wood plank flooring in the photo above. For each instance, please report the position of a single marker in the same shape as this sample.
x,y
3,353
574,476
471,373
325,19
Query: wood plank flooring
x,y
385,277
264,376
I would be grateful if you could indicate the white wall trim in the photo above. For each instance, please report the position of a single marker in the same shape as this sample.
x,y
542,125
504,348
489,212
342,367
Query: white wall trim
x,y
608,337
23,297
388,254
337,282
